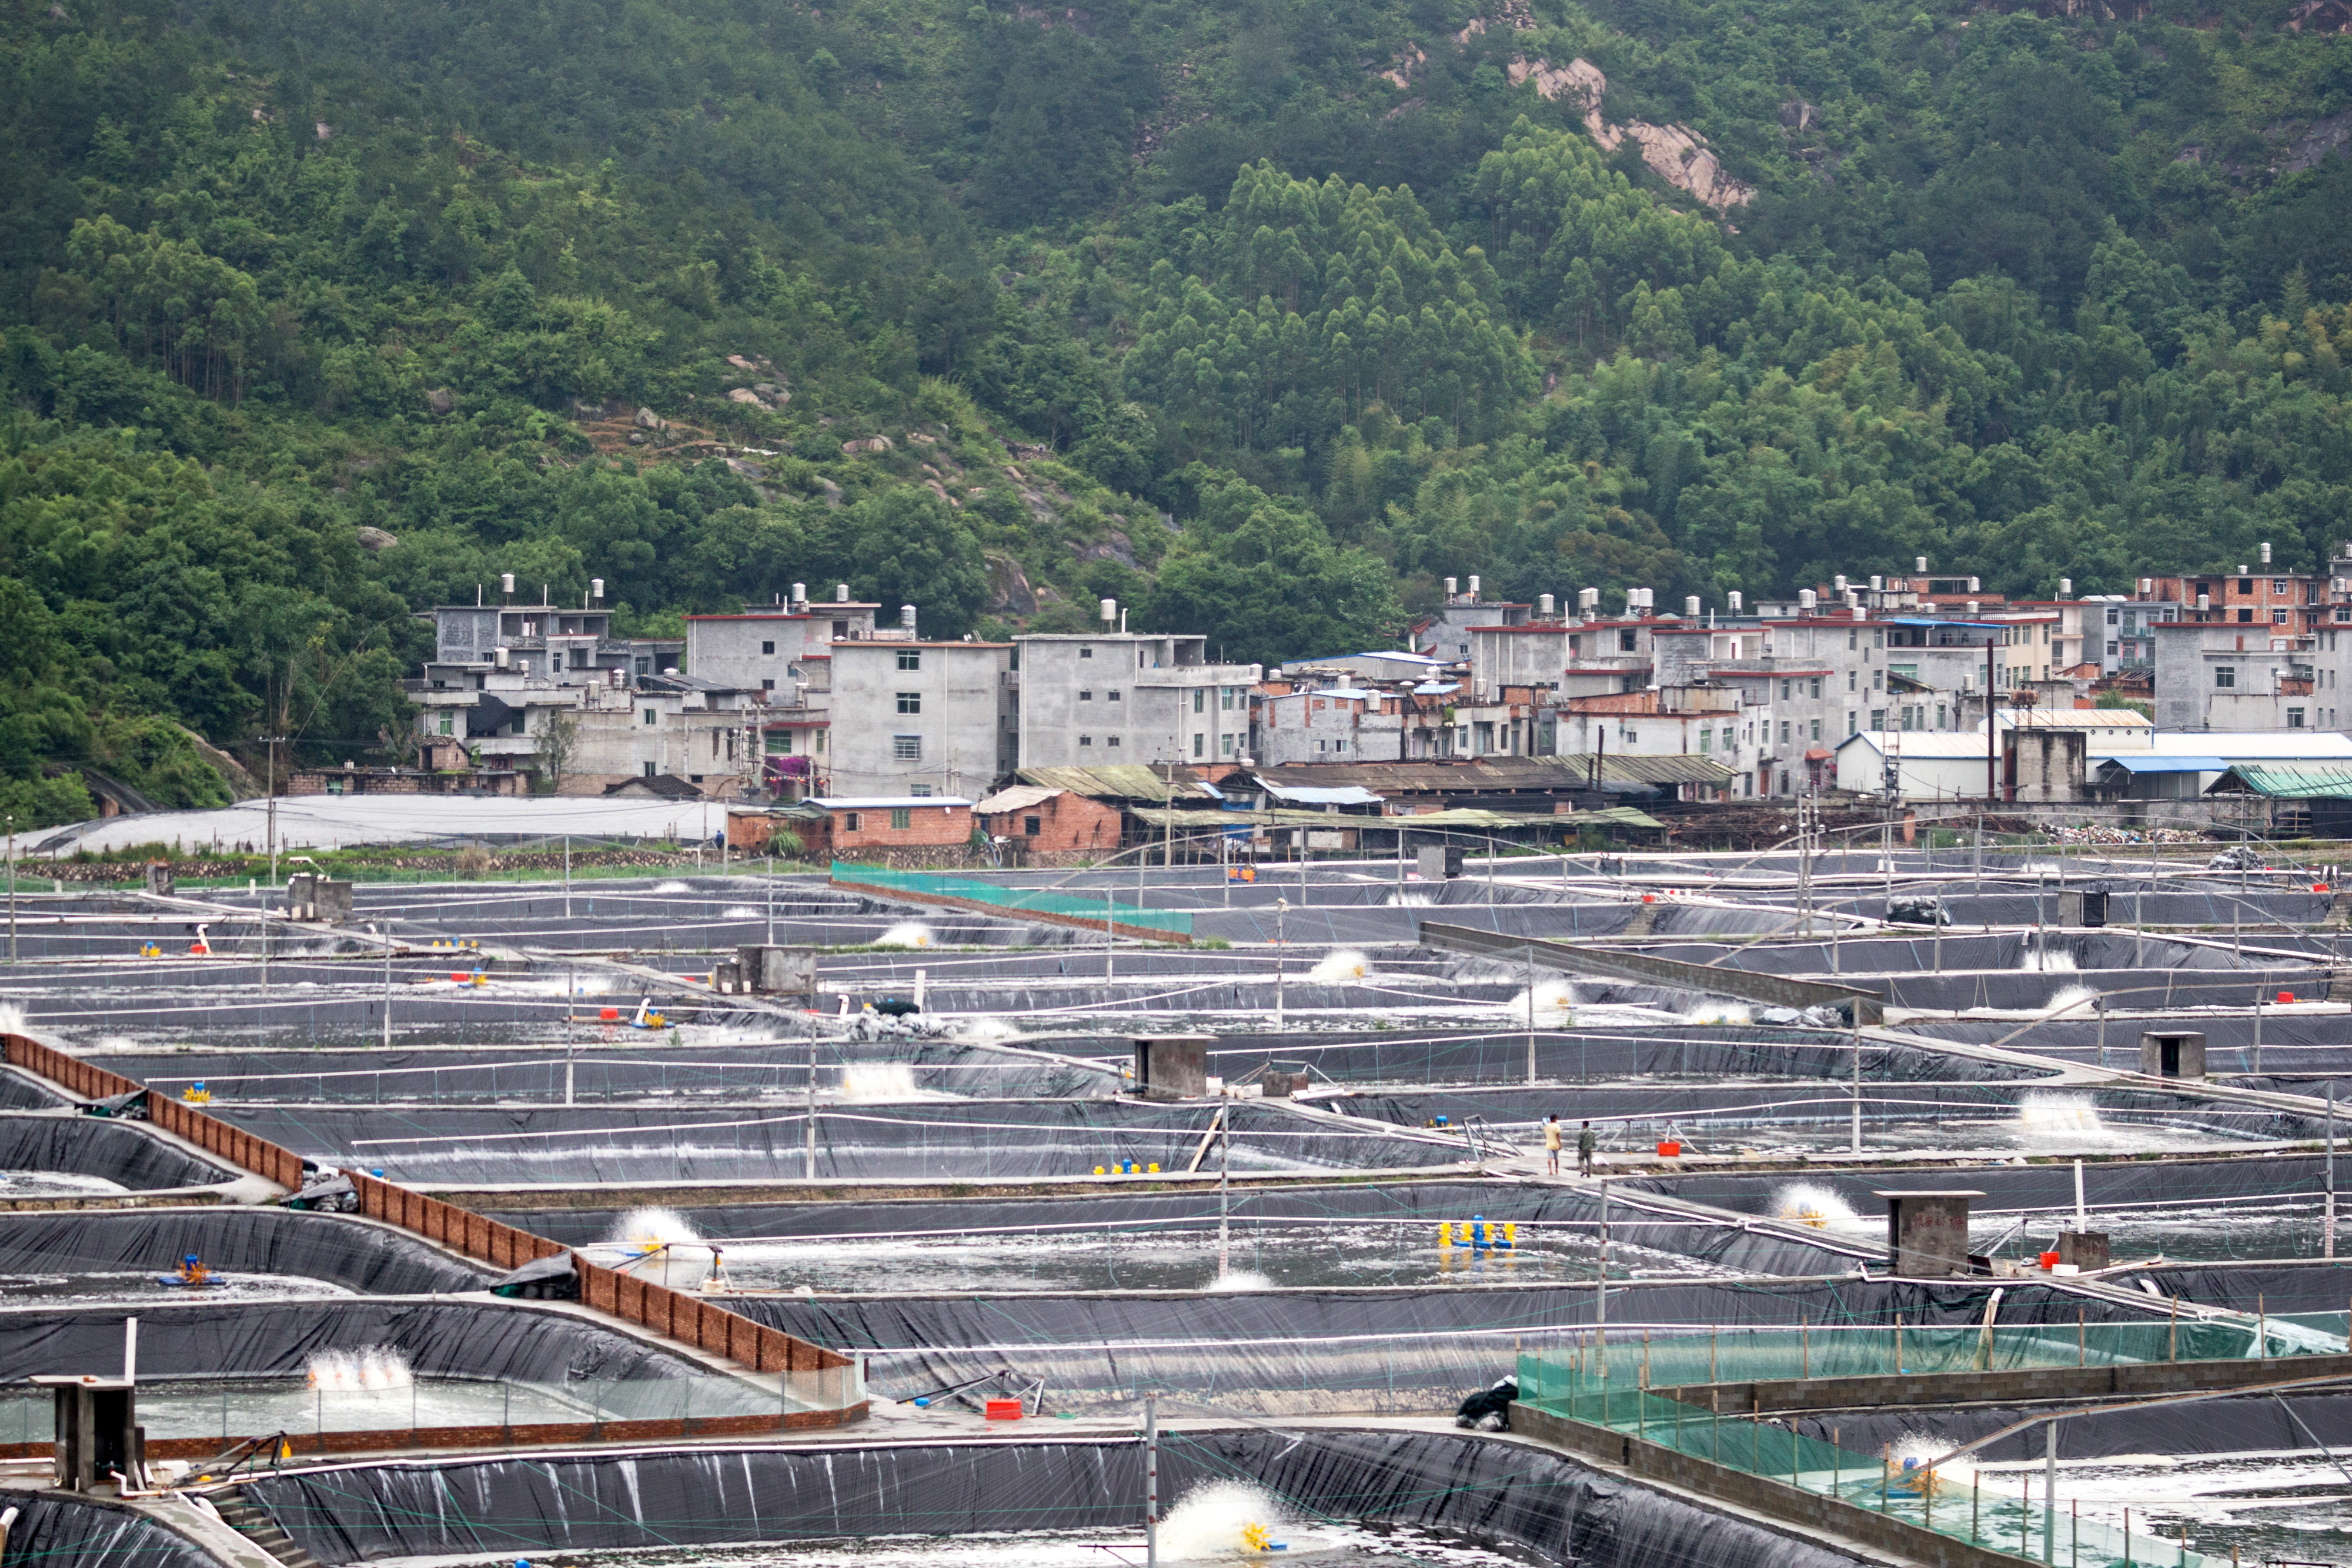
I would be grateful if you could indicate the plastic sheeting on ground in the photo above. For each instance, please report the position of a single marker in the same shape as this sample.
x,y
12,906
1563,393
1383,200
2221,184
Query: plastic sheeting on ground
x,y
2107,1185
643,1067
1411,1204
1333,1352
2256,1423
942,1140
204,1339
1483,1488
61,1531
369,1258
124,1153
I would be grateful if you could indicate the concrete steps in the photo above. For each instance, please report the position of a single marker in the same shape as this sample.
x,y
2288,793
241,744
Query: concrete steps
x,y
245,1517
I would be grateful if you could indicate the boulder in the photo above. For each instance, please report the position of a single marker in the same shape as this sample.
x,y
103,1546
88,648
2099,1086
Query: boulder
x,y
374,540
649,420
440,400
832,492
870,443
745,395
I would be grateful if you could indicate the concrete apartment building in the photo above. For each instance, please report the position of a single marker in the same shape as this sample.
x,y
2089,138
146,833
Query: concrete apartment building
x,y
915,718
1444,634
757,650
1116,696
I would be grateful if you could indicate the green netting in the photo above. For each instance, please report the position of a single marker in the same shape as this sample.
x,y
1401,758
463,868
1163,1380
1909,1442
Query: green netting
x,y
1011,900
1782,1355
1952,1501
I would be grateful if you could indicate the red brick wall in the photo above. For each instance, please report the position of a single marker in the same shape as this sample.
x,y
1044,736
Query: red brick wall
x,y
1064,822
926,825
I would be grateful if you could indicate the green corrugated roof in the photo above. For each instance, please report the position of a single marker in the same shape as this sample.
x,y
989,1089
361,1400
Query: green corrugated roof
x,y
1119,780
2290,781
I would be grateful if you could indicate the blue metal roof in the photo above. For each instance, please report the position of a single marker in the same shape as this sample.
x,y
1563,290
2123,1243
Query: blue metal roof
x,y
1938,621
2167,763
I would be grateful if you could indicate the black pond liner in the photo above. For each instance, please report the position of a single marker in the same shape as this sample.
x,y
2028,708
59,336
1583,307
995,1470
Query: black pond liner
x,y
368,1258
2049,1187
957,1140
635,1066
1394,1350
61,1531
250,1339
1488,1489
2255,1423
1414,1207
125,1152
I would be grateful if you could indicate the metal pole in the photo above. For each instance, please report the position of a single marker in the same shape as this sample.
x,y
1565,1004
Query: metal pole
x,y
1151,1480
772,903
11,887
2050,1496
2258,1034
2328,1226
2082,1212
1600,1294
812,1103
1110,906
1225,1189
567,876
1281,910
1857,1080
1531,1013
387,987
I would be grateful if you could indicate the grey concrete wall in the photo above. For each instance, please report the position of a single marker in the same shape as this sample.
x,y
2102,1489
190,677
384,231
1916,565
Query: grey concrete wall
x,y
963,724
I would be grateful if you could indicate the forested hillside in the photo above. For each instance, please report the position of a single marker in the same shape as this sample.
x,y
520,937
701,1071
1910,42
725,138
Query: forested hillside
x,y
1256,317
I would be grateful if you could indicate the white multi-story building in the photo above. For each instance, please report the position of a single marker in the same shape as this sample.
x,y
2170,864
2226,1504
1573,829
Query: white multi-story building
x,y
1118,696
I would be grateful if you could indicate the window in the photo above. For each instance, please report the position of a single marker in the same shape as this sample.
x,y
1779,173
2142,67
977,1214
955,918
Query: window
x,y
1032,827
910,658
902,817
850,821
910,702
1878,718
1939,715
1878,680
2278,585
2223,675
2278,617
767,647
2245,585
1784,732
1199,699
1851,723
1085,652
1111,697
1851,676
1200,744
1319,745
919,791
1817,685
1112,743
1626,642
2111,650
906,748
446,727
2110,615
780,743
652,717
1225,698
1085,697
2245,614
1706,742
1225,745
1085,740
649,769
841,630
1728,743
819,747
767,685
1853,640
2295,718
1878,636
1784,689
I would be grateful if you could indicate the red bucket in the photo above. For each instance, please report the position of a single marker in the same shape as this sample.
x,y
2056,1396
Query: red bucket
x,y
1671,1149
2049,1260
1004,1410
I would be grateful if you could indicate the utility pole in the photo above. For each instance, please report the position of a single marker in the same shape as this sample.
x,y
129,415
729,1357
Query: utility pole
x,y
1531,1012
272,835
11,887
812,1102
